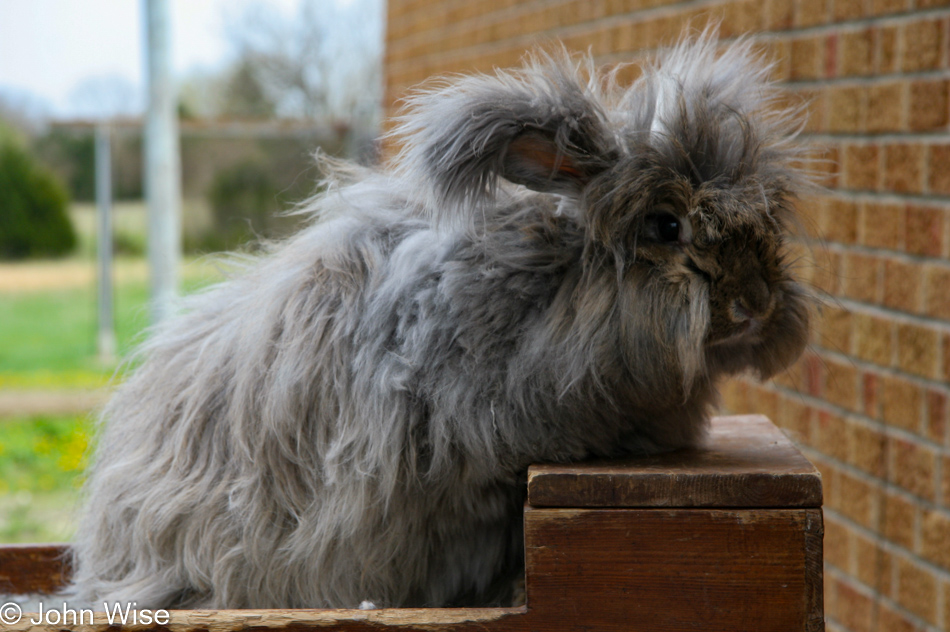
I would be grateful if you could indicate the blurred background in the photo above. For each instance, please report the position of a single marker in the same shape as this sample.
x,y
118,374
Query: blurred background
x,y
260,85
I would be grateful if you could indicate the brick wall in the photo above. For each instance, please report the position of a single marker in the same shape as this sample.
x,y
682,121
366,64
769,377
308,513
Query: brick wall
x,y
868,403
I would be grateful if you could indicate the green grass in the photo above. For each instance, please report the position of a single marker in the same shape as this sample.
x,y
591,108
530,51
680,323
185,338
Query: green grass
x,y
41,467
48,338
55,332
48,341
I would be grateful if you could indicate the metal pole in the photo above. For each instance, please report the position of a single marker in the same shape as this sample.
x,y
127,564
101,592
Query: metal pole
x,y
162,163
106,337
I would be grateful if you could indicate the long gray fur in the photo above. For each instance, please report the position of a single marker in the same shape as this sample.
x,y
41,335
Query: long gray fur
x,y
351,417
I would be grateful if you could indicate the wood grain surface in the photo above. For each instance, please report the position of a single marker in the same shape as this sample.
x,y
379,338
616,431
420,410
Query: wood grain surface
x,y
726,537
656,570
745,462
33,568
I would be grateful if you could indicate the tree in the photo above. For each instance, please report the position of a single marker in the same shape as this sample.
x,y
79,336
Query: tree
x,y
324,62
244,95
33,220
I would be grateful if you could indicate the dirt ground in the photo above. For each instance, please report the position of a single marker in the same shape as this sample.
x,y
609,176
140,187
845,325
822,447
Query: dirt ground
x,y
64,274
53,403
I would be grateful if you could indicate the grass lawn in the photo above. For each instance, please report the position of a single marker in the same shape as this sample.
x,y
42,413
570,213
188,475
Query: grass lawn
x,y
48,341
41,464
48,336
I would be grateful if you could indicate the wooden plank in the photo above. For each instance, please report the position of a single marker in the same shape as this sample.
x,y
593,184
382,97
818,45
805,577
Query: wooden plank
x,y
33,568
404,620
745,462
655,570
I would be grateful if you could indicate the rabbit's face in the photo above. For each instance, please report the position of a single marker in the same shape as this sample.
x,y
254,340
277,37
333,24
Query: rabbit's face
x,y
707,259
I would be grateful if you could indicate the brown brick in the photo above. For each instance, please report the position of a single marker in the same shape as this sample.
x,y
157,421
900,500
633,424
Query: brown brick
x,y
870,394
939,177
860,167
767,402
829,480
847,9
778,52
936,417
841,384
779,15
917,590
859,500
886,107
855,53
913,467
903,168
812,372
887,49
881,7
928,106
901,403
830,435
830,601
937,291
867,449
840,222
890,620
847,108
923,45
925,230
900,517
935,537
856,609
811,12
791,377
902,283
946,608
836,326
825,274
861,278
812,211
807,58
733,394
741,17
837,543
795,418
868,562
882,225
917,348
872,339
825,162
945,483
927,4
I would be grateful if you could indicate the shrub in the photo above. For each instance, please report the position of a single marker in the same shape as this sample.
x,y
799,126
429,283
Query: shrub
x,y
33,220
244,204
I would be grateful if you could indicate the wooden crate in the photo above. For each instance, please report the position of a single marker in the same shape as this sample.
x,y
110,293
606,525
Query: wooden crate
x,y
728,537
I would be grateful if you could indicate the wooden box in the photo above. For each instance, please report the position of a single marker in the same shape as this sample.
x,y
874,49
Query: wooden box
x,y
727,537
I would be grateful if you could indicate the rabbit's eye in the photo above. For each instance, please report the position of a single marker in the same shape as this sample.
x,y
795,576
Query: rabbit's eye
x,y
668,227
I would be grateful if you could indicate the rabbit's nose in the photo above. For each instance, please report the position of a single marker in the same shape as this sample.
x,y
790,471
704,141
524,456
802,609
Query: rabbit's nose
x,y
755,301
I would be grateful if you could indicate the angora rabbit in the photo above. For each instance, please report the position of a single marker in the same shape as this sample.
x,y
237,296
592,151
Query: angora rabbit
x,y
553,268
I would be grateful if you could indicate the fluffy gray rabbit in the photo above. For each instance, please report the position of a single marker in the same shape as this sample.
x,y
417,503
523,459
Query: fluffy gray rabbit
x,y
553,268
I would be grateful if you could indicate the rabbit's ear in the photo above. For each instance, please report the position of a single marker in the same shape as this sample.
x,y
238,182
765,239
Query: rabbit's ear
x,y
538,163
540,126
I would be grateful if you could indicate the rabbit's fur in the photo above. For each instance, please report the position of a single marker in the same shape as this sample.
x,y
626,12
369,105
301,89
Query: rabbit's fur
x,y
352,417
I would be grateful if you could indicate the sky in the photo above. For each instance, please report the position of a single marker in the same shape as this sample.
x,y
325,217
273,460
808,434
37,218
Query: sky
x,y
53,53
